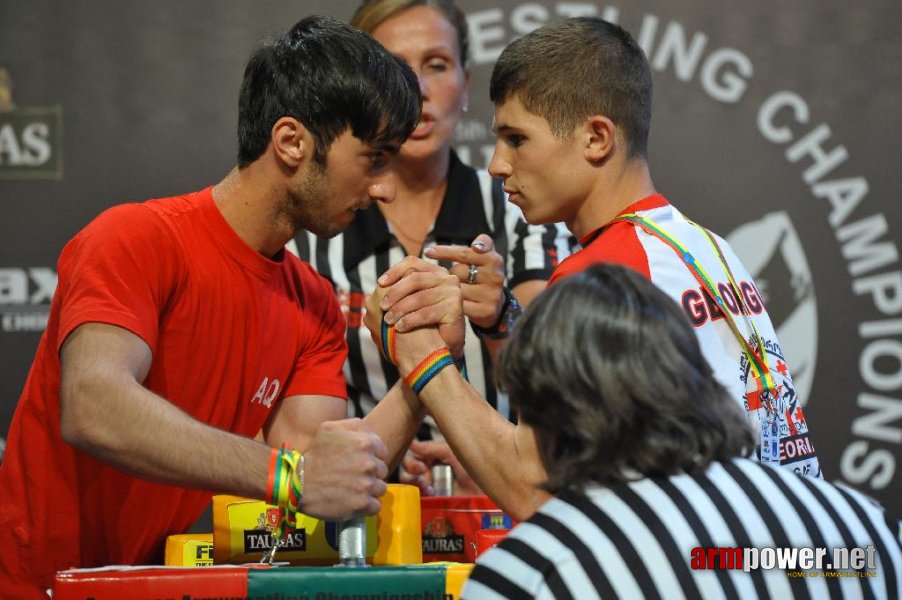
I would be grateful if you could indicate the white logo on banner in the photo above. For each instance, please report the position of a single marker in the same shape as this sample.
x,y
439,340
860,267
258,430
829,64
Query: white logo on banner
x,y
771,250
25,296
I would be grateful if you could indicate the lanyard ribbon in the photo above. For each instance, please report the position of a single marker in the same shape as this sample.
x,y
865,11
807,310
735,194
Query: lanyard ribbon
x,y
757,358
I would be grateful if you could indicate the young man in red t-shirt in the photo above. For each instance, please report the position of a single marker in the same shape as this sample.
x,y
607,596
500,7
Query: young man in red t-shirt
x,y
181,331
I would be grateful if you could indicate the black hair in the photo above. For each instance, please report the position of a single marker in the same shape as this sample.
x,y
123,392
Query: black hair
x,y
330,77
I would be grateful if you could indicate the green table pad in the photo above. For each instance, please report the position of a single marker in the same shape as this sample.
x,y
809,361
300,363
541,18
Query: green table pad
x,y
408,582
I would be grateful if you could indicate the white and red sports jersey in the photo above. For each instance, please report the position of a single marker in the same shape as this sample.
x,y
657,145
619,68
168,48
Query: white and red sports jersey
x,y
626,243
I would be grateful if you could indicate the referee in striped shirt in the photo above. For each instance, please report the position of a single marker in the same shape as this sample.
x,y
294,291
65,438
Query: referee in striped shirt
x,y
644,451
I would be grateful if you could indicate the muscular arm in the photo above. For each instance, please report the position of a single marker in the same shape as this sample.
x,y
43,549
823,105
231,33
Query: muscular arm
x,y
528,290
108,414
295,419
502,458
395,419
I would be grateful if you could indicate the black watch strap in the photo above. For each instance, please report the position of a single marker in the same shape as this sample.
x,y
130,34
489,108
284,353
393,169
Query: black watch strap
x,y
510,310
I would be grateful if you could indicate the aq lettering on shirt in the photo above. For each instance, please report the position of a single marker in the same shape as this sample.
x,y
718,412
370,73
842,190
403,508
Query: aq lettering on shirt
x,y
267,392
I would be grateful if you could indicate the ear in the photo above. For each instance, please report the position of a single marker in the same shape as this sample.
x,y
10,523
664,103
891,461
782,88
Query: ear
x,y
599,134
291,142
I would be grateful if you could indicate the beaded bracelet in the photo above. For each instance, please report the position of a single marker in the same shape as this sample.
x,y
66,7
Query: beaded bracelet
x,y
428,368
285,487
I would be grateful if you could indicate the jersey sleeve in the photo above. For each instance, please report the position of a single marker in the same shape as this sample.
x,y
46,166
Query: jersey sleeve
x,y
318,370
619,243
119,270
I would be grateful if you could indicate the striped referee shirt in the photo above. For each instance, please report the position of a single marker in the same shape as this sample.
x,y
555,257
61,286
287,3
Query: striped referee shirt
x,y
474,203
714,535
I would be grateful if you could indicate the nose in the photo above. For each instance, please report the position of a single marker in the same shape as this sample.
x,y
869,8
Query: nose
x,y
499,166
383,190
424,85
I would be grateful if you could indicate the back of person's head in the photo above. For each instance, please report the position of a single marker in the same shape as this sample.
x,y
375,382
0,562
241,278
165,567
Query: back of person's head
x,y
330,77
607,370
569,71
372,13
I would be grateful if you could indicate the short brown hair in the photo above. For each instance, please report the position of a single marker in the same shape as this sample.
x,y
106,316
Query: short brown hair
x,y
568,71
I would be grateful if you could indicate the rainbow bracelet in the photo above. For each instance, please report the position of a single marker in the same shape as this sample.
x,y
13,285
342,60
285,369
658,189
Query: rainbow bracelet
x,y
285,488
429,368
389,339
461,364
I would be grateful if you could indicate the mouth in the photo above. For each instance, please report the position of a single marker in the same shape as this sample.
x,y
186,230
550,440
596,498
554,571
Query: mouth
x,y
361,206
424,127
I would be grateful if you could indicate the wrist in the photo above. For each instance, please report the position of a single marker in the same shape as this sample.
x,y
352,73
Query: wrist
x,y
510,311
285,486
420,375
415,346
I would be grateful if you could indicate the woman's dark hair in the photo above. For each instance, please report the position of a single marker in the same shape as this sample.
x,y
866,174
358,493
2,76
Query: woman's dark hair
x,y
330,77
608,372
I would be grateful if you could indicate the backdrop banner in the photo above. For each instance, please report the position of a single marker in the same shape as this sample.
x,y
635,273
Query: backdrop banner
x,y
774,125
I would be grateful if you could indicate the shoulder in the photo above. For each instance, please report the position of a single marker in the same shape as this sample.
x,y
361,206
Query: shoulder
x,y
311,288
616,243
124,229
147,218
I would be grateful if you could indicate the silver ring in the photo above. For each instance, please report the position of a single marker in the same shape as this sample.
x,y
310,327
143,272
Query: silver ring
x,y
472,273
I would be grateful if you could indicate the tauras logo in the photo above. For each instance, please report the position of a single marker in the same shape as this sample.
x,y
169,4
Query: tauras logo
x,y
261,540
448,545
30,137
439,537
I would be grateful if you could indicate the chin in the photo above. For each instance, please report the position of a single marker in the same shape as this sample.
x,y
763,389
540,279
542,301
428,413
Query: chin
x,y
421,149
534,218
329,230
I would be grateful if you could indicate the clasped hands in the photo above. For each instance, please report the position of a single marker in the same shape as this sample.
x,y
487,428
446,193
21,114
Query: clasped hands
x,y
426,303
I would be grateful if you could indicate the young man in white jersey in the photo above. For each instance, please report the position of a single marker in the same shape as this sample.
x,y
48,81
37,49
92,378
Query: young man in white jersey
x,y
572,116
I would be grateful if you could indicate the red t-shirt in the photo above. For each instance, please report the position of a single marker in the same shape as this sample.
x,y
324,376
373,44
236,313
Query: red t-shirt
x,y
231,332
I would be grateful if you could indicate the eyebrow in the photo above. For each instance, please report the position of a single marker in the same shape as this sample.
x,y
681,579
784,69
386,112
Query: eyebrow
x,y
496,129
388,147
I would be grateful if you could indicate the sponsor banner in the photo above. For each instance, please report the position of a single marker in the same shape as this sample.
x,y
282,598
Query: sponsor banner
x,y
25,295
785,147
31,138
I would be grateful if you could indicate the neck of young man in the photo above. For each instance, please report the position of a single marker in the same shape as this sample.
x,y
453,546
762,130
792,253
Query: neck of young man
x,y
248,204
613,191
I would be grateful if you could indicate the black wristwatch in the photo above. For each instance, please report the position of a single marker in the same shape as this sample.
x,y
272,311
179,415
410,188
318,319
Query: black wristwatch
x,y
510,310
